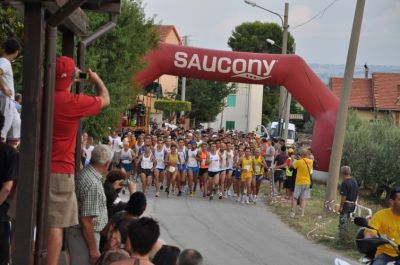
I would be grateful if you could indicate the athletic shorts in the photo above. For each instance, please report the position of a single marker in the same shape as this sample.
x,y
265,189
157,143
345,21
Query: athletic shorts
x,y
63,206
236,173
127,167
161,170
228,170
259,177
269,163
146,171
202,171
211,174
302,191
195,170
278,175
289,183
182,167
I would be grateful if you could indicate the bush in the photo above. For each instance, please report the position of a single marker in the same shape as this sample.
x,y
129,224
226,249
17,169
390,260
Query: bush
x,y
172,105
371,149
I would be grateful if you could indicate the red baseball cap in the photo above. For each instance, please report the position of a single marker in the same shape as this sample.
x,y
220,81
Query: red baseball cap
x,y
65,71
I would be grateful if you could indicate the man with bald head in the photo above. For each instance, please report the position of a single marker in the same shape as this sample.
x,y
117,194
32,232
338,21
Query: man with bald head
x,y
190,257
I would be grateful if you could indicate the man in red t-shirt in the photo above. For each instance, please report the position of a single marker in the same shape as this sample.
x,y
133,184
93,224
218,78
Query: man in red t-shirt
x,y
68,110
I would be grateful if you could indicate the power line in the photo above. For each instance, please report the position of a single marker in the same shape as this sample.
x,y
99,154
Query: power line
x,y
317,15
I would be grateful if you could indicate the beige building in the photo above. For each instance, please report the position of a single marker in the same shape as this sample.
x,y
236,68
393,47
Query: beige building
x,y
169,83
373,98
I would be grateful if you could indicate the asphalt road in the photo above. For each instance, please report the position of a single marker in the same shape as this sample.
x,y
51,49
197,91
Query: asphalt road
x,y
226,232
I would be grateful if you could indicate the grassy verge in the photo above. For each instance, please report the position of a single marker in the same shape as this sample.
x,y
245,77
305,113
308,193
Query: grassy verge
x,y
317,225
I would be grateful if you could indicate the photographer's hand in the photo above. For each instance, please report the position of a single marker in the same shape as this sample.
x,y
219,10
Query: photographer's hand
x,y
102,89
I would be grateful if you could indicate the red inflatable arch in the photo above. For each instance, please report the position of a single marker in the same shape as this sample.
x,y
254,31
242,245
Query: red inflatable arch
x,y
289,71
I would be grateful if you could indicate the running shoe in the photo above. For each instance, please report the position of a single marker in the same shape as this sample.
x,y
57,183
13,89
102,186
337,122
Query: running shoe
x,y
250,198
225,195
255,199
166,190
220,196
238,199
179,193
229,193
292,214
157,194
247,200
191,194
204,195
161,187
211,197
235,195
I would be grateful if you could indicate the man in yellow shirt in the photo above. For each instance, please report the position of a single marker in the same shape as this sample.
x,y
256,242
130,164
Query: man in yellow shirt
x,y
387,223
303,182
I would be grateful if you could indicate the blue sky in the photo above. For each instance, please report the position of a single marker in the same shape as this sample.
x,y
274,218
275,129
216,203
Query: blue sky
x,y
324,40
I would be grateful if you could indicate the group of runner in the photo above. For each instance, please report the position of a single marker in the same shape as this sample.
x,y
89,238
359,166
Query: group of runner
x,y
187,161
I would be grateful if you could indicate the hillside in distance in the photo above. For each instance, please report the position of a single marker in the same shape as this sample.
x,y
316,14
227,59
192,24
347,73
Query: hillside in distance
x,y
326,71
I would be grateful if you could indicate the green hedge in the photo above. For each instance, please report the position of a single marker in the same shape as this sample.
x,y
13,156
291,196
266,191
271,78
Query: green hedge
x,y
172,105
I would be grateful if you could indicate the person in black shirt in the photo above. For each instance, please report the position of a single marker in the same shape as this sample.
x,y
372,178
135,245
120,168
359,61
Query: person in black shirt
x,y
348,193
8,174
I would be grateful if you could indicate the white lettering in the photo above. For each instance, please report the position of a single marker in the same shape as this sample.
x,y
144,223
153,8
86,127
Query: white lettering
x,y
258,65
268,67
213,66
180,59
235,66
194,62
228,62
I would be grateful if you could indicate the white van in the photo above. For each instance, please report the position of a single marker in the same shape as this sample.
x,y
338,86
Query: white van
x,y
273,132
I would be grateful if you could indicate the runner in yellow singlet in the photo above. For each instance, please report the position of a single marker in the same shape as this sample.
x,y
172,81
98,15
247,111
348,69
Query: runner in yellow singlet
x,y
259,165
247,174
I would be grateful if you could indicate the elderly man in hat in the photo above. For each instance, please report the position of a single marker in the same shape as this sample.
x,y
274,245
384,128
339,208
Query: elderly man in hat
x,y
68,110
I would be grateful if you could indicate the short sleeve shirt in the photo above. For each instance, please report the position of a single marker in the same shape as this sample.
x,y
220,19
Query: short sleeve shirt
x,y
7,76
91,198
349,189
304,167
68,110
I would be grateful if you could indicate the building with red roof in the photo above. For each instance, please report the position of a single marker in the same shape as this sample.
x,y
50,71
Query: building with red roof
x,y
376,97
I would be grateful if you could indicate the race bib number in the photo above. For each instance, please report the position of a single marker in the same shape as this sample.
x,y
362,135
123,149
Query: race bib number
x,y
126,161
171,169
203,162
246,167
258,168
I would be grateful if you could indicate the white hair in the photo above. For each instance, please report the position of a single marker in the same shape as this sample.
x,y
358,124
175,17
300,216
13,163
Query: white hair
x,y
101,155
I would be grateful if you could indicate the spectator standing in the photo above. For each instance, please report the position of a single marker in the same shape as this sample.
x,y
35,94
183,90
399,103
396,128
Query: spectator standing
x,y
18,102
83,240
68,110
8,175
348,195
303,182
280,168
12,124
116,145
190,257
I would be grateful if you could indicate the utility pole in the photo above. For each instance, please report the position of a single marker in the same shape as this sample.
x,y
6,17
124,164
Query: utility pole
x,y
287,112
340,129
282,90
183,91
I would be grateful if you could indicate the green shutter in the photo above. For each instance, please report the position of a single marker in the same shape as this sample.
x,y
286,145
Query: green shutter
x,y
231,101
230,125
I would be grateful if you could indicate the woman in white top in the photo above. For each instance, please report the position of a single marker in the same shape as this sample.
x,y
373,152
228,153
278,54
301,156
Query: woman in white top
x,y
223,166
138,146
147,162
125,158
160,154
229,169
213,170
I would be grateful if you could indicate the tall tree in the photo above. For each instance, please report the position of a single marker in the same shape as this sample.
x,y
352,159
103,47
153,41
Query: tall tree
x,y
251,37
207,98
117,56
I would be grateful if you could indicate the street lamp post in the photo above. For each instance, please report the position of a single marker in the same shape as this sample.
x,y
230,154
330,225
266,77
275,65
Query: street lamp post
x,y
285,26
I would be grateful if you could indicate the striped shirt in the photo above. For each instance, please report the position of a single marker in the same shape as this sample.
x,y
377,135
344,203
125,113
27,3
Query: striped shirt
x,y
91,198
